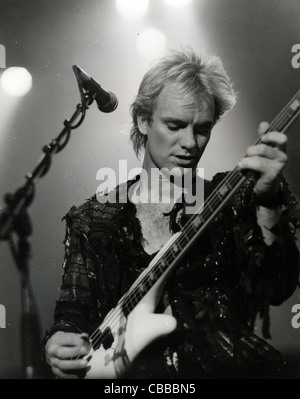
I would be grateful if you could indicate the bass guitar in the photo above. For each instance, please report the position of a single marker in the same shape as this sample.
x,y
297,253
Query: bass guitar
x,y
132,325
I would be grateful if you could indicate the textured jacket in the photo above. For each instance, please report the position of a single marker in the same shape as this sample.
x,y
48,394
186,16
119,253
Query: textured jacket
x,y
229,277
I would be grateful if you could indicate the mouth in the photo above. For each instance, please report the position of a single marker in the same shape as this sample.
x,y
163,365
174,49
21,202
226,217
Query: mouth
x,y
184,159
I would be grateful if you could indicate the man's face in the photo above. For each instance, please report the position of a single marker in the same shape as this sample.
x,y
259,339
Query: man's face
x,y
179,132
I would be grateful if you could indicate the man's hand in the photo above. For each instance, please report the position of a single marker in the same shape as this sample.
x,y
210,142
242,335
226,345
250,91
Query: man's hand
x,y
268,159
62,351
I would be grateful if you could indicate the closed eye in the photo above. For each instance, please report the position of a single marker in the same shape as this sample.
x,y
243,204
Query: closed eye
x,y
173,126
203,129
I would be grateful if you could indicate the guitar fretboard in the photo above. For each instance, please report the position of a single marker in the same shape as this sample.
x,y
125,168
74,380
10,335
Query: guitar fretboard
x,y
173,252
200,220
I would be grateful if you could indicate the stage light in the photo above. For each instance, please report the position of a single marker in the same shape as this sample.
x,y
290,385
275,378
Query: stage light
x,y
151,43
132,9
16,81
178,3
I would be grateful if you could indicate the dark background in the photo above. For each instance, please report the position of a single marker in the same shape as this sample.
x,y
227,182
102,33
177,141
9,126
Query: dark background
x,y
254,38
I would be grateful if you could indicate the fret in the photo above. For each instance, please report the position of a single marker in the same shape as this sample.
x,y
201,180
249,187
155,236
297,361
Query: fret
x,y
148,285
157,273
219,195
290,112
161,267
140,293
209,206
171,252
184,238
129,303
287,114
163,263
196,223
152,276
214,203
141,287
224,190
295,105
179,245
175,247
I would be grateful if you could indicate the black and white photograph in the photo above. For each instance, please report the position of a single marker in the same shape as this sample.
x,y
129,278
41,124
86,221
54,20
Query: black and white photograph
x,y
149,192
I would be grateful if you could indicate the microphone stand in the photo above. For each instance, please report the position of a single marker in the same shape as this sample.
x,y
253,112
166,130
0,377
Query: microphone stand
x,y
15,227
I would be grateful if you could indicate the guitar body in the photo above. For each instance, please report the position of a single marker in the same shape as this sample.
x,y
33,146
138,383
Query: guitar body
x,y
131,334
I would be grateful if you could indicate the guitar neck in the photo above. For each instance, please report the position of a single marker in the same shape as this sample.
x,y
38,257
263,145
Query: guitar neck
x,y
176,249
199,221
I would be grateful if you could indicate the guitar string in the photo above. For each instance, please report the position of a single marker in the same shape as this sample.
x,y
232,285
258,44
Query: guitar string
x,y
135,296
277,120
286,108
166,256
131,295
269,129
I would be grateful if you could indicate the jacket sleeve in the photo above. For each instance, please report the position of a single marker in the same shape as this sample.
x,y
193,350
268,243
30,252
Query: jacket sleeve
x,y
268,275
282,257
271,272
76,310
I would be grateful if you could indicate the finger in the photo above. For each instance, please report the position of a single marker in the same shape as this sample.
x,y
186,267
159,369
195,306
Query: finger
x,y
66,352
263,165
59,374
71,339
66,365
63,352
275,139
262,128
68,339
264,150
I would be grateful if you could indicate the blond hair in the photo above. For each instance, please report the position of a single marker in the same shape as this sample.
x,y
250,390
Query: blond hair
x,y
201,75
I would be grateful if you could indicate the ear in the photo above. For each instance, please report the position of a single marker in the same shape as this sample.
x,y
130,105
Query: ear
x,y
142,124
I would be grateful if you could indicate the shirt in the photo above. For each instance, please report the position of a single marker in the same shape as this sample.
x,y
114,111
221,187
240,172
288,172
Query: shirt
x,y
229,277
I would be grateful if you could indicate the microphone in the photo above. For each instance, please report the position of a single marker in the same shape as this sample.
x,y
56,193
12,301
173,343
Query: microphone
x,y
106,100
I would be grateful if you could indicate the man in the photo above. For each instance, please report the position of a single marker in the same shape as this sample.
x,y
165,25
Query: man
x,y
199,322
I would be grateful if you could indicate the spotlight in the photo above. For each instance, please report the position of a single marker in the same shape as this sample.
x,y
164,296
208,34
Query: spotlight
x,y
151,43
132,9
178,3
16,81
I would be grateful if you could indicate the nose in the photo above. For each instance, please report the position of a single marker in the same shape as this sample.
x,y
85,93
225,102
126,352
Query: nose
x,y
187,139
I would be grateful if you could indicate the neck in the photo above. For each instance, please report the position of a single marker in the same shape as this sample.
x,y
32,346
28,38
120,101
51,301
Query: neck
x,y
158,187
